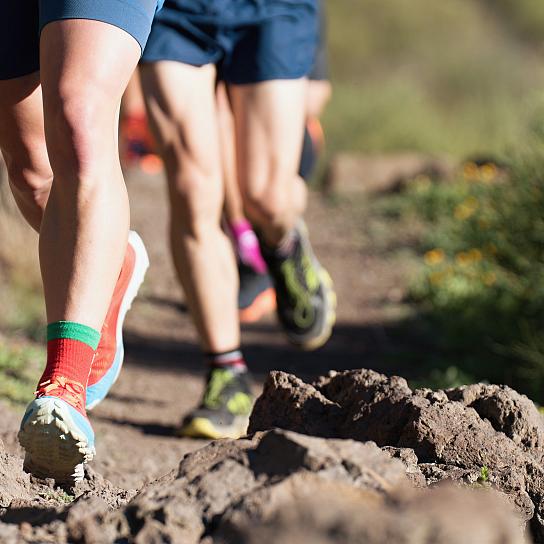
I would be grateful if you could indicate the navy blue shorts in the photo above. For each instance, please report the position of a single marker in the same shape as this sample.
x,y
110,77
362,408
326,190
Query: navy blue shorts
x,y
248,40
21,22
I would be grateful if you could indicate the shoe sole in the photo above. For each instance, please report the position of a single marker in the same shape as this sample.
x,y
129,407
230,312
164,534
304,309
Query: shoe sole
x,y
264,304
140,268
201,427
330,303
54,445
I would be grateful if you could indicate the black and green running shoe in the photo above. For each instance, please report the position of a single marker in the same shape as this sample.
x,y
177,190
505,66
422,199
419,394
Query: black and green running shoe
x,y
306,301
225,407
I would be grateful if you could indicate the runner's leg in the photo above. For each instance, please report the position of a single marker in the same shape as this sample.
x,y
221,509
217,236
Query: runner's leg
x,y
22,142
85,67
269,119
182,112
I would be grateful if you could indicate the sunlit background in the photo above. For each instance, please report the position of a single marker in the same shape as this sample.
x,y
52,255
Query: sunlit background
x,y
459,82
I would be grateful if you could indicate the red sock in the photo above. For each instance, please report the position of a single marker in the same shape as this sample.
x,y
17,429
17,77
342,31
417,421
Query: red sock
x,y
69,358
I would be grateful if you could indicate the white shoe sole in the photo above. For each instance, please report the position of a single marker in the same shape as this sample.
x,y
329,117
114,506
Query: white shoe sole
x,y
55,446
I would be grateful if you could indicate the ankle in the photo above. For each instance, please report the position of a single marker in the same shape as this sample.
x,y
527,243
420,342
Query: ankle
x,y
71,348
232,360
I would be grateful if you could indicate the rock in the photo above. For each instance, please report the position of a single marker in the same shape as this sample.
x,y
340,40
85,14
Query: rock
x,y
453,434
445,516
361,458
509,412
223,483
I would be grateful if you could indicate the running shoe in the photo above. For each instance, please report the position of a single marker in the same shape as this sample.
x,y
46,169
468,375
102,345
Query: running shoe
x,y
225,407
256,295
55,432
136,138
304,292
110,353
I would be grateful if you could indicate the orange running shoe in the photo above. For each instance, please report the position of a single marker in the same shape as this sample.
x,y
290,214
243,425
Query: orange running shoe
x,y
110,353
256,297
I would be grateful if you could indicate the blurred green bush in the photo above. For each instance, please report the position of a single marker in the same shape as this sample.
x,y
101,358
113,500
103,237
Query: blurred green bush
x,y
482,279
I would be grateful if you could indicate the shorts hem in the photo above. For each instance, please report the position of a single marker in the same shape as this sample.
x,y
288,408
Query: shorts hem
x,y
264,78
127,17
23,73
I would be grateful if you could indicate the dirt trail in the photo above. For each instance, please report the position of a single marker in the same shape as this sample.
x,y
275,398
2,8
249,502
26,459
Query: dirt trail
x,y
162,377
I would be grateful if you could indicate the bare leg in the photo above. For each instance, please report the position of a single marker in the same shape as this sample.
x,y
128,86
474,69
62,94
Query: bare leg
x,y
319,94
181,108
234,208
85,67
22,141
269,120
269,126
133,100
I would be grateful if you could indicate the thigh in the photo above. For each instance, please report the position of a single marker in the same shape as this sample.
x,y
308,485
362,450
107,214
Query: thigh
x,y
269,121
21,118
86,58
85,68
181,104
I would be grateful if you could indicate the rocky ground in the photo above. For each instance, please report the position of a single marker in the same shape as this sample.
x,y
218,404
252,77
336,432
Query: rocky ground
x,y
360,457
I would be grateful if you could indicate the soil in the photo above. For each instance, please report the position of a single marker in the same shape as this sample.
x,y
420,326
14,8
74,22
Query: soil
x,y
213,493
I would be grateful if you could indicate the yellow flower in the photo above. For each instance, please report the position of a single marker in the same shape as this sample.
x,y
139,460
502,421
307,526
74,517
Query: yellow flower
x,y
434,257
475,255
488,172
466,209
470,171
464,258
489,278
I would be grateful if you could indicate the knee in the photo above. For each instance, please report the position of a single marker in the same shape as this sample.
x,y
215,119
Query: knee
x,y
77,133
30,180
267,202
196,202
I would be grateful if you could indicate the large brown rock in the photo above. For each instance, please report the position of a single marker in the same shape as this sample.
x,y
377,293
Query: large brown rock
x,y
453,434
375,442
442,516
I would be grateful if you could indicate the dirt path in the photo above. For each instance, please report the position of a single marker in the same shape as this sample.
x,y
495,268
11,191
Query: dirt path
x,y
162,377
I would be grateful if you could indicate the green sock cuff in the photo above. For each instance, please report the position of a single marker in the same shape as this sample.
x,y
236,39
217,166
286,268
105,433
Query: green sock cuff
x,y
73,331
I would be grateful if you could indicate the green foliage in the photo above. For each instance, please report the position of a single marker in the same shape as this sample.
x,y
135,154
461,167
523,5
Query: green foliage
x,y
481,283
19,371
22,308
484,475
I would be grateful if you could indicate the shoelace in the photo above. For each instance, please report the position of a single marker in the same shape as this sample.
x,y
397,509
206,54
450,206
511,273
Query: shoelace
x,y
69,390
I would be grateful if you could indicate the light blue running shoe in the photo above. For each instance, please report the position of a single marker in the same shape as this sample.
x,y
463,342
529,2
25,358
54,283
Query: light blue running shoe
x,y
55,433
